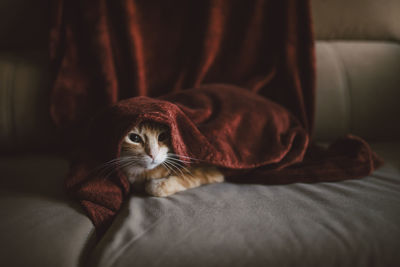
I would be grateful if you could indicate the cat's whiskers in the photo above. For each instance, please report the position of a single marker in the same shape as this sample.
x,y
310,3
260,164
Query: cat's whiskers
x,y
164,164
179,166
124,165
170,167
174,159
108,171
128,163
181,156
174,168
105,166
179,160
113,165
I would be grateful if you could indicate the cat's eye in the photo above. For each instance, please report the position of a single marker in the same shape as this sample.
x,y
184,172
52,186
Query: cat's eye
x,y
135,138
162,136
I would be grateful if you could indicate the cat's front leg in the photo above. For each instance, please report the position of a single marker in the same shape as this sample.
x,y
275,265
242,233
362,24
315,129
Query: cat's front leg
x,y
173,184
164,186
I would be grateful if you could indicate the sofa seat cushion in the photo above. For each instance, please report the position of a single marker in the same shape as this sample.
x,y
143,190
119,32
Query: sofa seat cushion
x,y
39,226
349,223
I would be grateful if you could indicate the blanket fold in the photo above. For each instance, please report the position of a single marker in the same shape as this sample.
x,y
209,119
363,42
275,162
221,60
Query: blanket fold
x,y
233,80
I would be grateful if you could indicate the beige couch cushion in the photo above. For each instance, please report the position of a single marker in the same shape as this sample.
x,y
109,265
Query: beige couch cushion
x,y
352,223
39,226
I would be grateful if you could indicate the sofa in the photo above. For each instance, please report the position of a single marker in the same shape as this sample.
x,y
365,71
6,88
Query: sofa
x,y
347,223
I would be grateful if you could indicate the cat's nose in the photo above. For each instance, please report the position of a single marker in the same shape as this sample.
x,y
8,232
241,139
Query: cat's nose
x,y
152,155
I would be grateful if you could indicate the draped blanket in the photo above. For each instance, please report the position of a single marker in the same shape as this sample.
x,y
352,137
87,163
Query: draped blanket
x,y
233,80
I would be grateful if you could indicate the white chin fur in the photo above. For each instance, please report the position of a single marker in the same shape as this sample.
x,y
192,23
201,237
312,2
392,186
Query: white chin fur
x,y
151,166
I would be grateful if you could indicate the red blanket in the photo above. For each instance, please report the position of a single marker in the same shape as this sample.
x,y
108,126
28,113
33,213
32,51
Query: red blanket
x,y
251,65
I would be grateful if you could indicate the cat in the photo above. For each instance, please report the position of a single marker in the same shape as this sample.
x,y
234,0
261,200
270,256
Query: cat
x,y
147,159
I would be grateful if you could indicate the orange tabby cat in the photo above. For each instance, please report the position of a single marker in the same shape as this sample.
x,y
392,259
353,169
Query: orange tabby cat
x,y
147,157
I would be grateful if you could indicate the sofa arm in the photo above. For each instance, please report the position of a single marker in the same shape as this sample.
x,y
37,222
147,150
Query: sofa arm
x,y
358,90
24,96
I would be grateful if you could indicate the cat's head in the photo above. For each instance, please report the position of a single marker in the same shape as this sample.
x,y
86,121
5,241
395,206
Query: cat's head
x,y
146,146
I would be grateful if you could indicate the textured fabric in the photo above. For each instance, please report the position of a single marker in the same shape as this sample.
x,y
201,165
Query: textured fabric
x,y
271,57
358,87
208,123
344,79
24,23
144,48
352,223
38,225
357,19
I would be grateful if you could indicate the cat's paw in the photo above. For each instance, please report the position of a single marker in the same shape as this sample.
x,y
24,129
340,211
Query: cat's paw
x,y
158,187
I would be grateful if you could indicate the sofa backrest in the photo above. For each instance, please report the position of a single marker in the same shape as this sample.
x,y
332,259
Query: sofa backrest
x,y
358,67
24,75
357,19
